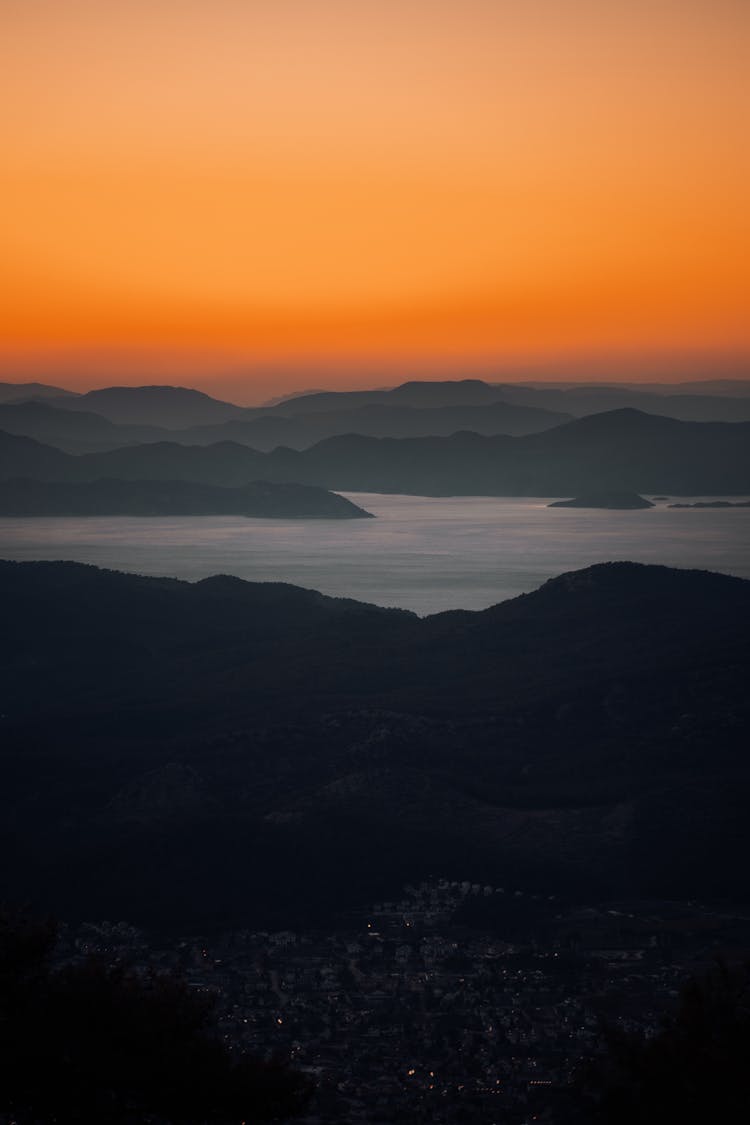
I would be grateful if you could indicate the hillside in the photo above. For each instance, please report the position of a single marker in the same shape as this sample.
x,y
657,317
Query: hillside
x,y
257,752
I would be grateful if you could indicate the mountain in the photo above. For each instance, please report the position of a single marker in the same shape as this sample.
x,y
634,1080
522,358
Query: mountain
x,y
172,498
24,457
74,431
268,430
171,407
116,416
462,392
232,752
582,400
23,392
622,450
720,401
226,464
81,431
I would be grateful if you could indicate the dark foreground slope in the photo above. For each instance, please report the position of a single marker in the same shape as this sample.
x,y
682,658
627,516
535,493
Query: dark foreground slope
x,y
623,451
255,752
173,498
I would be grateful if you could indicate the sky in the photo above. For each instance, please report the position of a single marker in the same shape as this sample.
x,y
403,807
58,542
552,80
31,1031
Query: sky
x,y
257,196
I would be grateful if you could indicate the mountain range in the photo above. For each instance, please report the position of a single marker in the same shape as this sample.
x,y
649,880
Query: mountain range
x,y
115,416
706,402
226,751
82,431
23,392
621,450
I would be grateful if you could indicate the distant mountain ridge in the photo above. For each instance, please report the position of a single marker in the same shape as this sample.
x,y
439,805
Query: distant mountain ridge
x,y
22,392
712,403
81,431
300,431
73,431
410,409
172,407
415,393
621,450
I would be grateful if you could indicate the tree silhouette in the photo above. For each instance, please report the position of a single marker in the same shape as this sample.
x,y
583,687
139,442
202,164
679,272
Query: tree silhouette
x,y
95,1045
694,1070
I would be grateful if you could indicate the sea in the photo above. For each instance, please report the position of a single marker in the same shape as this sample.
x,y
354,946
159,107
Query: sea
x,y
424,554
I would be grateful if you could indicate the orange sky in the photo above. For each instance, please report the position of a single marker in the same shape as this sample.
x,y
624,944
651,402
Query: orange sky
x,y
269,194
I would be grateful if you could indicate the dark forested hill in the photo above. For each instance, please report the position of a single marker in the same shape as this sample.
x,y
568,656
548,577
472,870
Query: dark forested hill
x,y
256,752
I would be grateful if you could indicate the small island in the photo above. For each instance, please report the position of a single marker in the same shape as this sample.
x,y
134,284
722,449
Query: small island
x,y
258,499
615,501
714,504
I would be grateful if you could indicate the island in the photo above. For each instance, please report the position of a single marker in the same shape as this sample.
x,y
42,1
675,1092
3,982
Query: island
x,y
714,504
113,497
616,501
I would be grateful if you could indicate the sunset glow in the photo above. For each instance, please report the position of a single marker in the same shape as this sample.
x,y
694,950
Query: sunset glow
x,y
273,192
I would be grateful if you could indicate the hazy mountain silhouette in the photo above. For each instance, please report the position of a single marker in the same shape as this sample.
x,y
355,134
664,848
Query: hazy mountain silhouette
x,y
172,498
75,431
226,463
590,735
413,409
416,393
622,450
269,430
22,392
721,401
172,407
78,431
583,400
24,457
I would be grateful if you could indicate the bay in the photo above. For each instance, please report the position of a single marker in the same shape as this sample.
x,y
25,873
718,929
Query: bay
x,y
421,553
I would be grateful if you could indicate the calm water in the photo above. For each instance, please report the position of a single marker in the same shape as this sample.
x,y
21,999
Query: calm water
x,y
421,553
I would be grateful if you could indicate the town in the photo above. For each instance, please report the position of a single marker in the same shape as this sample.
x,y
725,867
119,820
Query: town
x,y
457,1002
